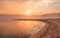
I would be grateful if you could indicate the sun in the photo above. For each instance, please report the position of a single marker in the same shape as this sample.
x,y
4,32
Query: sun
x,y
28,12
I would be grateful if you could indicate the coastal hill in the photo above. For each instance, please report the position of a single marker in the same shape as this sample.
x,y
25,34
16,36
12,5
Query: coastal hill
x,y
52,15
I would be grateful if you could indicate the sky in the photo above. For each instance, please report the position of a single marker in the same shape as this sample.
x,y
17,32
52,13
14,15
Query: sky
x,y
29,6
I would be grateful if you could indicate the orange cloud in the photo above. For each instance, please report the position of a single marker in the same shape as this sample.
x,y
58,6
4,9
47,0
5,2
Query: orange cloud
x,y
20,8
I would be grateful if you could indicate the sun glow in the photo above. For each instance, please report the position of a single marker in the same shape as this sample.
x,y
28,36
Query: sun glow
x,y
28,12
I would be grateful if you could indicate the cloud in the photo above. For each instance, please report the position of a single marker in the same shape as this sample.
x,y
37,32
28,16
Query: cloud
x,y
55,5
17,6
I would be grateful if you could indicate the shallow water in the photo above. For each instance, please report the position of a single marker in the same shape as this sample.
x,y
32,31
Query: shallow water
x,y
19,28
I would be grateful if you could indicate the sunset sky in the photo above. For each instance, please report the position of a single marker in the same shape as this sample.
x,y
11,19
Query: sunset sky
x,y
29,6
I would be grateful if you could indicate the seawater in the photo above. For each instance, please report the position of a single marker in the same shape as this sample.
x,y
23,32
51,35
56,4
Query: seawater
x,y
17,28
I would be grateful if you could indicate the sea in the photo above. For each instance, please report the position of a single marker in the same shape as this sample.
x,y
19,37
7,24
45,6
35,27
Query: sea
x,y
10,28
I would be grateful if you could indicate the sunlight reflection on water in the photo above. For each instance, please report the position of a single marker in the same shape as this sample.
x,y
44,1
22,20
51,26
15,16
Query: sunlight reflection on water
x,y
20,27
29,27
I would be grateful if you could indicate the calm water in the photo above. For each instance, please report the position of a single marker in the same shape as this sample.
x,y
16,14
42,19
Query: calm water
x,y
19,28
